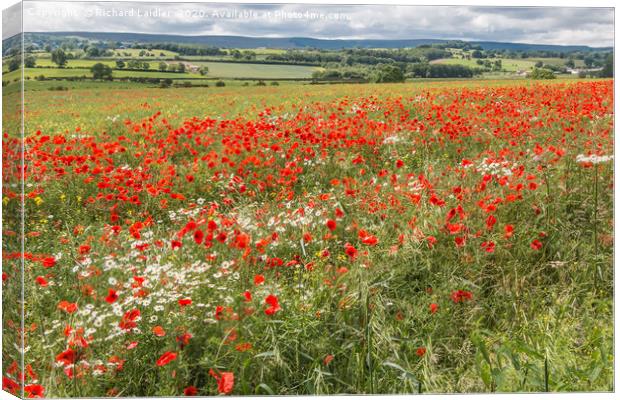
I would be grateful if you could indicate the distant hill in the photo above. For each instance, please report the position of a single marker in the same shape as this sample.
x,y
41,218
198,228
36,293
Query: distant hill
x,y
301,42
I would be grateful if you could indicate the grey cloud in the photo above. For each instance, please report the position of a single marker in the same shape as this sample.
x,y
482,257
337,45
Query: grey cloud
x,y
544,25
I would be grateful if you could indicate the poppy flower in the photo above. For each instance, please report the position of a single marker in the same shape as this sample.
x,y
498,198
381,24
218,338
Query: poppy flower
x,y
185,302
274,305
68,307
328,359
112,296
41,281
536,244
34,390
225,381
166,358
190,391
259,279
433,307
158,331
67,357
331,225
48,262
421,351
198,236
460,296
350,250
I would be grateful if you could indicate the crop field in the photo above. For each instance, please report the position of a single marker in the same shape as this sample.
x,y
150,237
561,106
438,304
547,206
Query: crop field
x,y
259,71
32,73
424,237
509,64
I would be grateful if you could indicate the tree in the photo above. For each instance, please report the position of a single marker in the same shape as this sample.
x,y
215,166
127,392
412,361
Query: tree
x,y
30,62
163,66
541,73
59,57
146,66
477,54
204,70
101,71
538,64
120,64
181,67
14,64
608,67
92,52
387,73
570,63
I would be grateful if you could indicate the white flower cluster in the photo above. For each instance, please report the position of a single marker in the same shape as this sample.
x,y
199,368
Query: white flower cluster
x,y
594,159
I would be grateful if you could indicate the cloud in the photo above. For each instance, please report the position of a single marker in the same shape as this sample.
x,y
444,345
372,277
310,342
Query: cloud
x,y
540,25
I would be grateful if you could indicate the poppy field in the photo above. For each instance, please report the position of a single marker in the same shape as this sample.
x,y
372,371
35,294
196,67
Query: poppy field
x,y
311,239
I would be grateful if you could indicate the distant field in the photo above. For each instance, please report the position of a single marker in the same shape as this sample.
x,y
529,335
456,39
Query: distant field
x,y
260,71
508,64
78,72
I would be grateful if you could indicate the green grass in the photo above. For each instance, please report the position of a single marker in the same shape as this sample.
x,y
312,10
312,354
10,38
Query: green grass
x,y
528,310
259,71
508,64
32,73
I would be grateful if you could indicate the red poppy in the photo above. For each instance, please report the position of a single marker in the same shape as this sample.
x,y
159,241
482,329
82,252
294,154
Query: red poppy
x,y
185,302
34,390
460,296
433,308
350,250
274,305
421,351
67,306
166,358
48,262
259,279
67,357
225,381
41,281
112,296
331,225
158,331
190,391
198,236
536,244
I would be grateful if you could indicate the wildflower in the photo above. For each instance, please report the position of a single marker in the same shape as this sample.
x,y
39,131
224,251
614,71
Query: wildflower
x,y
350,250
259,280
166,358
460,296
272,302
433,307
190,391
112,296
536,244
225,381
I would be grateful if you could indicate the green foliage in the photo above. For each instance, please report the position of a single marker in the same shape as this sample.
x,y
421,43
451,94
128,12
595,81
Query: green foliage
x,y
59,57
608,67
385,73
541,73
101,71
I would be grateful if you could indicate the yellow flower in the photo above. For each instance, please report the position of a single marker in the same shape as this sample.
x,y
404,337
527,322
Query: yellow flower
x,y
6,200
38,201
62,197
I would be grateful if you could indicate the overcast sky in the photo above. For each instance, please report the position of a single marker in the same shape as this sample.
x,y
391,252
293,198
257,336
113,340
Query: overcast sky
x,y
550,25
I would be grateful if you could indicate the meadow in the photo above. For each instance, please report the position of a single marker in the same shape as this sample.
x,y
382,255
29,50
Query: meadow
x,y
422,237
